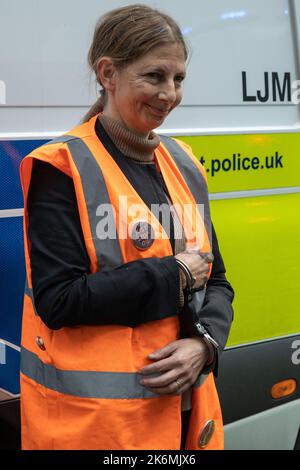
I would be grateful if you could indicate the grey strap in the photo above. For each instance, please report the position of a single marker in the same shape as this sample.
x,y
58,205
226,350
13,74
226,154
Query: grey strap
x,y
99,207
192,177
87,384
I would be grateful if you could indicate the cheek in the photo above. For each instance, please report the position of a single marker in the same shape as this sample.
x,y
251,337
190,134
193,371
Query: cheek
x,y
138,95
144,91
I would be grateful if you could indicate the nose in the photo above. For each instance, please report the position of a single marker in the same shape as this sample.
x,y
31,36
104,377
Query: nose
x,y
168,93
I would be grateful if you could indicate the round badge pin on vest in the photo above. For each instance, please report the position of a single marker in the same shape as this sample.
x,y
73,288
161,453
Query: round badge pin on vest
x,y
206,434
142,235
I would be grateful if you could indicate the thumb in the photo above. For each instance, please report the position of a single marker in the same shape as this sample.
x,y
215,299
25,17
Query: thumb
x,y
164,352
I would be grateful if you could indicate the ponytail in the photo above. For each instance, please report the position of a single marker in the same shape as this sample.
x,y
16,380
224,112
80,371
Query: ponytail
x,y
95,109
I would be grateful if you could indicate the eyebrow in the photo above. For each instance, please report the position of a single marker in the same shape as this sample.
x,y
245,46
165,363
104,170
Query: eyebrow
x,y
161,69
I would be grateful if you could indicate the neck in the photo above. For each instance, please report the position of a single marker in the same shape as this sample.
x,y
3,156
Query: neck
x,y
131,144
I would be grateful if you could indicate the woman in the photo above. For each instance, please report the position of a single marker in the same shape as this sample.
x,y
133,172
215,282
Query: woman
x,y
109,281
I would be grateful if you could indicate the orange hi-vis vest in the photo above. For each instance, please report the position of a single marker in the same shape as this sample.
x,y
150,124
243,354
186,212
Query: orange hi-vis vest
x,y
80,386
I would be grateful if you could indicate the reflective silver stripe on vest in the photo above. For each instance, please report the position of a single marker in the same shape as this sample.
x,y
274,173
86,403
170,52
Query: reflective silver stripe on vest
x,y
108,250
87,384
29,293
193,178
84,384
61,140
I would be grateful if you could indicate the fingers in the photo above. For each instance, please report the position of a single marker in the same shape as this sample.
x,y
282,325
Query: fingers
x,y
171,389
164,359
164,352
208,257
198,264
176,372
196,261
159,367
160,381
169,384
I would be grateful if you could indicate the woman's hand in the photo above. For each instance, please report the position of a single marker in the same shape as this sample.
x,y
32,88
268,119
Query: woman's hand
x,y
178,365
198,264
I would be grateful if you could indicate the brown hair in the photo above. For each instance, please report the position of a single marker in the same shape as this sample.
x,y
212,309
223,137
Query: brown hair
x,y
126,34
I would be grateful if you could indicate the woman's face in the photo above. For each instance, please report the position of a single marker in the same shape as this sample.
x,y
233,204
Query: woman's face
x,y
146,91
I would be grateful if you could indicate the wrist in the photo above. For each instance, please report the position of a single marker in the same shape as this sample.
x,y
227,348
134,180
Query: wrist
x,y
211,351
186,275
211,344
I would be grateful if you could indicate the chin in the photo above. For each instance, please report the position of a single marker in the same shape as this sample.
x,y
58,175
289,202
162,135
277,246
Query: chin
x,y
156,123
149,125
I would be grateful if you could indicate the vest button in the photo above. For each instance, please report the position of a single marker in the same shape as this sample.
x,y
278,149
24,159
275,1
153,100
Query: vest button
x,y
206,434
40,342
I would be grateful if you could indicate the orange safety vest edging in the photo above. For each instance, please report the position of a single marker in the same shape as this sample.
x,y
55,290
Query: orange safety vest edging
x,y
79,385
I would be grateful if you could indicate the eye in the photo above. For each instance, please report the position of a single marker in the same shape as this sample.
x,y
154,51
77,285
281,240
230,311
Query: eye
x,y
153,75
179,78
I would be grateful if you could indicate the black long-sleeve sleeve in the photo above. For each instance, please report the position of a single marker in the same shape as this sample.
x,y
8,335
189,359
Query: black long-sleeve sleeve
x,y
217,313
65,292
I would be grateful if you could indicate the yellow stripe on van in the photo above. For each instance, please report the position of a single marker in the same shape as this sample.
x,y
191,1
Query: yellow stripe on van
x,y
259,241
258,236
245,162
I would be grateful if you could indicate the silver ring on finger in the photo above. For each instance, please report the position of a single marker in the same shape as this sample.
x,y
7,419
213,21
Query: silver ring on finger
x,y
178,383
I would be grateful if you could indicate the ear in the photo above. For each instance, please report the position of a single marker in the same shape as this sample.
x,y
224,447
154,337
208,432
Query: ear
x,y
106,73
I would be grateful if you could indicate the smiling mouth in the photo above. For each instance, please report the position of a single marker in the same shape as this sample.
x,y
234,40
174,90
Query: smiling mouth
x,y
158,111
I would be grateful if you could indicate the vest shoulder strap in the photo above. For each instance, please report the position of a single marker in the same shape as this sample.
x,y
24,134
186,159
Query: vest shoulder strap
x,y
63,139
192,174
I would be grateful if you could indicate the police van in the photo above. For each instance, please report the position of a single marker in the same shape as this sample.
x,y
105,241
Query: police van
x,y
241,115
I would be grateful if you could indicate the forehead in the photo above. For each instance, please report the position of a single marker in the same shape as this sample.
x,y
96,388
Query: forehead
x,y
165,55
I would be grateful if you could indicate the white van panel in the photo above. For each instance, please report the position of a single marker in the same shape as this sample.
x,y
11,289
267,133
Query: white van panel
x,y
48,86
274,429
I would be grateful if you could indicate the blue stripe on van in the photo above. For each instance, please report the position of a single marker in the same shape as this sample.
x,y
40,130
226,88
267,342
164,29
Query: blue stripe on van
x,y
11,154
12,266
